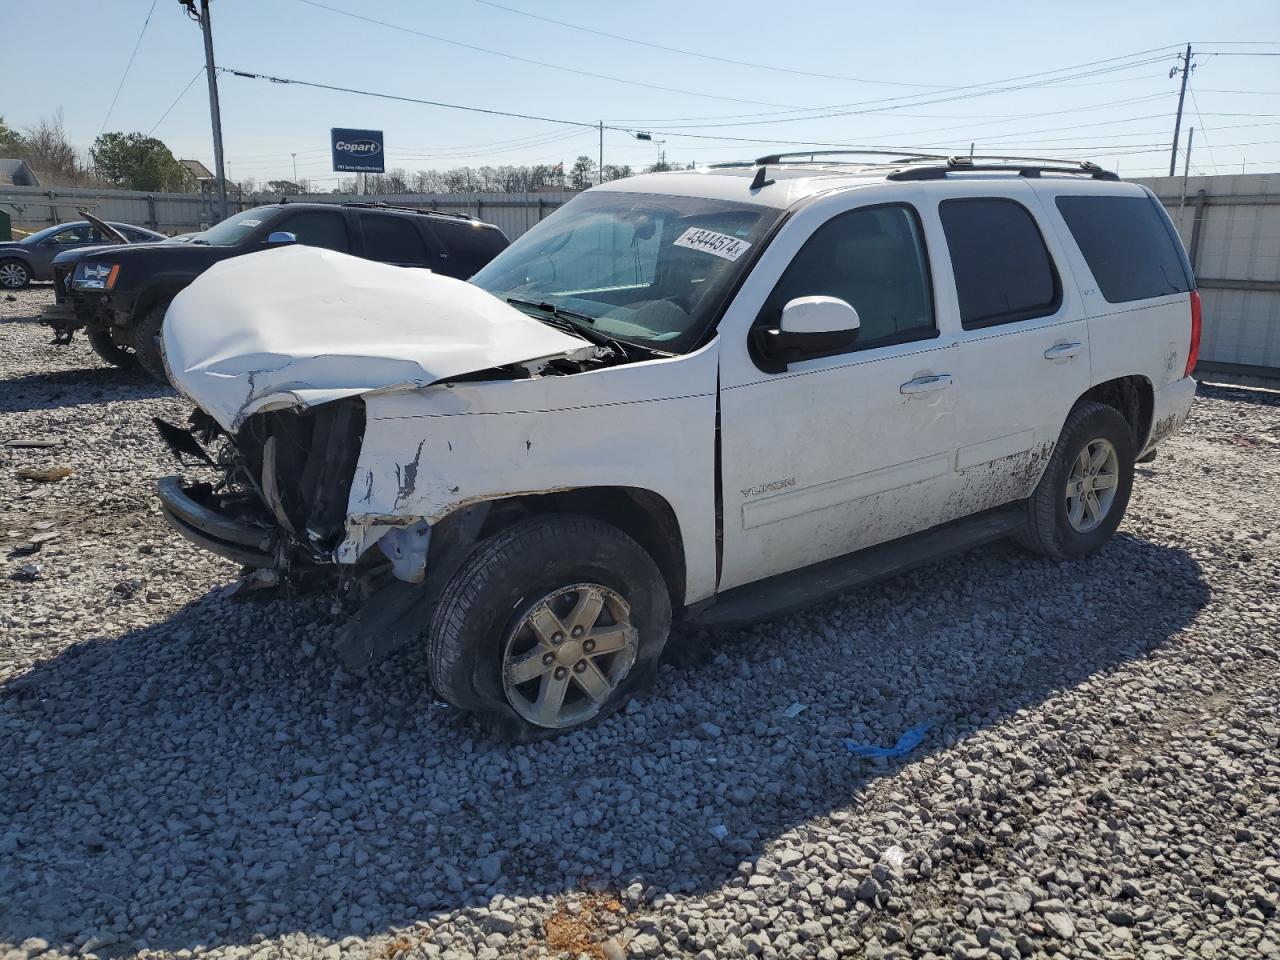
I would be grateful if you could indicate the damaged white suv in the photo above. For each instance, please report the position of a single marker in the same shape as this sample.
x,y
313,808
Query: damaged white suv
x,y
703,396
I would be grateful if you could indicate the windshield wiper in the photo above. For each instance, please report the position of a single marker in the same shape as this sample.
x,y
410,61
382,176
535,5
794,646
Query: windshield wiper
x,y
563,319
551,308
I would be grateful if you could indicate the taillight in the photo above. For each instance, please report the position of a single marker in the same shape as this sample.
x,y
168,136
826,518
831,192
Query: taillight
x,y
1193,351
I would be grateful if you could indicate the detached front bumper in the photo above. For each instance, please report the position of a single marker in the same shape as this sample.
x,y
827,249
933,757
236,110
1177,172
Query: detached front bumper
x,y
188,511
73,310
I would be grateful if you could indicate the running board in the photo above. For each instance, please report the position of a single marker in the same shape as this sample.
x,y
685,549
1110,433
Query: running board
x,y
796,589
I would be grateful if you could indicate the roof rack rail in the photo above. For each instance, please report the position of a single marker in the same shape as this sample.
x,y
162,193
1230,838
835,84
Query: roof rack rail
x,y
1024,166
383,205
776,158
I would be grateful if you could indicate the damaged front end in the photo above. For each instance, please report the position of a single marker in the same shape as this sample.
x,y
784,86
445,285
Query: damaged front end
x,y
275,502
278,500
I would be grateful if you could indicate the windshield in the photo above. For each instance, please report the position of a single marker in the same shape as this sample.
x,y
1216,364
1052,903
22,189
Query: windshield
x,y
646,268
235,228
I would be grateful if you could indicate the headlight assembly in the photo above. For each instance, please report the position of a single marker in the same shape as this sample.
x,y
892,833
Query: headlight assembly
x,y
95,276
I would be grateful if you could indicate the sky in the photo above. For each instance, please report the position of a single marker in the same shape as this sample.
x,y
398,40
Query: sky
x,y
1095,79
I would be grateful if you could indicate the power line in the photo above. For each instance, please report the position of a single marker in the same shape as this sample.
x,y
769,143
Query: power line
x,y
980,89
682,133
1203,130
707,56
538,63
175,100
403,99
127,67
893,104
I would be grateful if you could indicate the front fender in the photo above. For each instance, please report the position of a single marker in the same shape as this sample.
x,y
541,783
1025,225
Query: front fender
x,y
647,426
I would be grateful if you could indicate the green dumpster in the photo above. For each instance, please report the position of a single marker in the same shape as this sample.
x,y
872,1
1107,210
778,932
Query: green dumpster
x,y
6,228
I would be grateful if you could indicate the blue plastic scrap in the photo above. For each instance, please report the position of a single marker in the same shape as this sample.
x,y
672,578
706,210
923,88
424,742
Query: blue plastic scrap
x,y
906,743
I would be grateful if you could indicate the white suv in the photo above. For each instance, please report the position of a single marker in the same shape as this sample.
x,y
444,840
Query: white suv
x,y
701,397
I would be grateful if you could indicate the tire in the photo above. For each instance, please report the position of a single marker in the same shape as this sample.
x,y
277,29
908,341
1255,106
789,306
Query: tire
x,y
1065,526
14,274
146,340
106,348
509,582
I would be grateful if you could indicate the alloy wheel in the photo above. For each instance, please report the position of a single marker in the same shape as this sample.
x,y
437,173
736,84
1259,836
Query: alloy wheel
x,y
567,655
13,275
1091,486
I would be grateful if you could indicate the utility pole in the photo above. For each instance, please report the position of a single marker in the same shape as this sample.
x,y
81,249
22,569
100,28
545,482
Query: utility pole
x,y
1186,168
602,151
201,16
1185,70
295,168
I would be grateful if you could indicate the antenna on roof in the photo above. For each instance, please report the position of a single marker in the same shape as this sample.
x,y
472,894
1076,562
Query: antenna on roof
x,y
761,178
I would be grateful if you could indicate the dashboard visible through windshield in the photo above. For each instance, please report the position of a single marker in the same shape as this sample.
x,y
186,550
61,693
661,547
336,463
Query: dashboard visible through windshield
x,y
645,268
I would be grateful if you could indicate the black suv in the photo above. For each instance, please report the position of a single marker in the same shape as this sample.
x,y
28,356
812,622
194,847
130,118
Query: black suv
x,y
120,294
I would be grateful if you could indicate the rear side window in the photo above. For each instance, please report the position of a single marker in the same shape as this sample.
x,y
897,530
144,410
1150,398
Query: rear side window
x,y
392,240
1002,268
1129,246
316,228
873,258
468,245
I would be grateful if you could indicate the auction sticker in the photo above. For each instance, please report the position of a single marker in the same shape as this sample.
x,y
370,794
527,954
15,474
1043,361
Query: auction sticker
x,y
248,223
708,241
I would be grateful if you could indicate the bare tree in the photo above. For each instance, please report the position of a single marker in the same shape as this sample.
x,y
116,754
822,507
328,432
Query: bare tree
x,y
55,160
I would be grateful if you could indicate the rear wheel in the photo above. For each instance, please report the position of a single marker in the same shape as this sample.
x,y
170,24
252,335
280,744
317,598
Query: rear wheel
x,y
146,340
108,350
1082,496
14,274
551,625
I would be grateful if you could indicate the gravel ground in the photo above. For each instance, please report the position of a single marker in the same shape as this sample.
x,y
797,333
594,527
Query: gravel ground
x,y
188,774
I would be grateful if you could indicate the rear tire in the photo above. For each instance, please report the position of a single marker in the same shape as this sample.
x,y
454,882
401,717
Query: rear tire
x,y
1081,499
146,341
551,625
108,350
14,274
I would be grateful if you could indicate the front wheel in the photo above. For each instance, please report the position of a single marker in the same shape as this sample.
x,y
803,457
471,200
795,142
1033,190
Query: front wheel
x,y
146,340
14,274
1082,496
551,625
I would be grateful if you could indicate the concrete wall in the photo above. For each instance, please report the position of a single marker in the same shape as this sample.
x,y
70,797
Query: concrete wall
x,y
172,213
1230,226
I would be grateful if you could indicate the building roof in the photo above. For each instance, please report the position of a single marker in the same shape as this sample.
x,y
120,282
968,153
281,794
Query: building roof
x,y
197,169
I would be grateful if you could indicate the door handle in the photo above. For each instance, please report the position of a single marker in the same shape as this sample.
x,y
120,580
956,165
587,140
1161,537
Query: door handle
x,y
925,384
1062,351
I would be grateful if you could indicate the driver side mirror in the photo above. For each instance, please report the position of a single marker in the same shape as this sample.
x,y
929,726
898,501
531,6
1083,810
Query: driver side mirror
x,y
809,327
281,236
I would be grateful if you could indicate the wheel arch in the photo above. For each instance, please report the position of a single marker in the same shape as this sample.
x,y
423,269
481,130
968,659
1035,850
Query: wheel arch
x,y
150,295
645,516
1133,397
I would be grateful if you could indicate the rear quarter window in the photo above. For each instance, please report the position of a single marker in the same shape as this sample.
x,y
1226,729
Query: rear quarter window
x,y
1003,270
1129,245
469,246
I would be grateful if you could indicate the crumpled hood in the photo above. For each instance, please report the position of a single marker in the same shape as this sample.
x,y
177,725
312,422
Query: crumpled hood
x,y
300,326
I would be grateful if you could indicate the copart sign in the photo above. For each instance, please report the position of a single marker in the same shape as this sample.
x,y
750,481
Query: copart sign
x,y
357,151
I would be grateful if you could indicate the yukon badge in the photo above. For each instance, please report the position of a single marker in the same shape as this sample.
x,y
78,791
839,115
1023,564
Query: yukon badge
x,y
770,487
